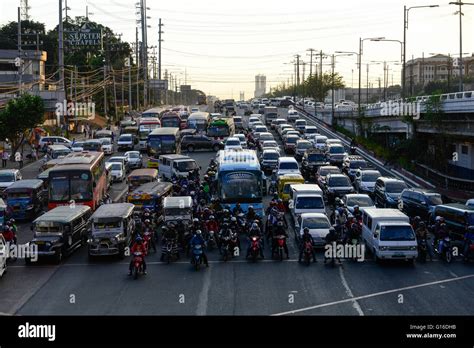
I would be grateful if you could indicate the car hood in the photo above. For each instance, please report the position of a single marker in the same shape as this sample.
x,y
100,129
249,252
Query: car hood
x,y
5,184
319,233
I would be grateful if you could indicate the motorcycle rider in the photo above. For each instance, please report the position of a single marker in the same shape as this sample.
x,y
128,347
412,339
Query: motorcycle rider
x,y
416,223
332,237
422,233
9,235
279,231
255,232
354,231
441,234
281,206
225,231
200,208
468,240
237,210
251,215
138,247
307,237
212,224
199,240
148,227
357,213
233,224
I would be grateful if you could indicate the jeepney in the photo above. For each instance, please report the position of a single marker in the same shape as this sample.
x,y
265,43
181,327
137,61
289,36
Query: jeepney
x,y
150,196
284,183
112,229
141,176
178,207
25,199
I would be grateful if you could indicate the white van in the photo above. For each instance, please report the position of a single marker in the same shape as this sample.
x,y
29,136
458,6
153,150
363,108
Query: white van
x,y
387,233
287,165
320,142
175,165
305,198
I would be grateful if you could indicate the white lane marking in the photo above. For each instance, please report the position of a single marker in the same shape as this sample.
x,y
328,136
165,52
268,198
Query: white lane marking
x,y
204,294
374,295
355,304
453,274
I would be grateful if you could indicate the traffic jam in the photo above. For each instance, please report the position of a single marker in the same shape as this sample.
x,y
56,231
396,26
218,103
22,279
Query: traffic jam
x,y
244,182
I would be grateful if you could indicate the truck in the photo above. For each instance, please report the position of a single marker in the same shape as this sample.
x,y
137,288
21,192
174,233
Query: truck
x,y
270,113
387,233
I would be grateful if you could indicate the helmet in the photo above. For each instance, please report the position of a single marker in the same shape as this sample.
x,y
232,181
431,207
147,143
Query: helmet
x,y
171,225
12,221
146,210
438,218
250,207
203,201
356,207
164,228
138,239
206,209
280,200
471,228
206,177
238,204
443,225
147,221
198,232
192,193
422,224
226,211
256,221
280,223
185,186
306,230
332,229
254,226
233,219
225,224
211,217
179,219
195,220
417,219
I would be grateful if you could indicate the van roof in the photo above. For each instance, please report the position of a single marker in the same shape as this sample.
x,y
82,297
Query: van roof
x,y
178,202
306,187
287,159
384,213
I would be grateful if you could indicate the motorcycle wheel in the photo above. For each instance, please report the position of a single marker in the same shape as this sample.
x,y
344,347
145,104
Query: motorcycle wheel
x,y
168,258
254,257
280,254
196,266
307,259
448,256
135,273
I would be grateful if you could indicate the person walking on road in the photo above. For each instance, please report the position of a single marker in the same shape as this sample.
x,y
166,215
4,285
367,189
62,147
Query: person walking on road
x,y
19,159
5,157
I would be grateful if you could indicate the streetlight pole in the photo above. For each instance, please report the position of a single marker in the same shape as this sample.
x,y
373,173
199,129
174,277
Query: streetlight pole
x,y
460,4
405,28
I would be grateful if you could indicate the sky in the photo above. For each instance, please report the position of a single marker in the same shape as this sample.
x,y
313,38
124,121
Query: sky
x,y
219,46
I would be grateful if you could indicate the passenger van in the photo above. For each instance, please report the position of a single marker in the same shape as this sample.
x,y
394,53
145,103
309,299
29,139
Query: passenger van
x,y
141,176
176,165
112,229
178,207
305,198
57,151
25,199
388,234
61,230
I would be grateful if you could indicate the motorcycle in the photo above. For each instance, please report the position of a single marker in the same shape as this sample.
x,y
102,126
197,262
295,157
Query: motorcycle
x,y
254,248
241,223
307,252
470,251
196,259
148,240
446,252
422,250
137,264
353,150
226,248
272,188
169,250
211,240
279,246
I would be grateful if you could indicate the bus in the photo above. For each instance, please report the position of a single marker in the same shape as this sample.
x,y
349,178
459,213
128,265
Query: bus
x,y
199,121
162,141
221,128
78,179
240,179
151,113
146,126
172,120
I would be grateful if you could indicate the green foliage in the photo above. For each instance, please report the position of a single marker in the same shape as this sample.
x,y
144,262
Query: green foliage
x,y
20,115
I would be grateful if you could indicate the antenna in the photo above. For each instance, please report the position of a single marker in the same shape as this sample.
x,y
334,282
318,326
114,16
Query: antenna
x,y
24,10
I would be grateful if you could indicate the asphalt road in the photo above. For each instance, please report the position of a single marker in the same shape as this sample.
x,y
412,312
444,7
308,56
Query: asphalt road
x,y
238,287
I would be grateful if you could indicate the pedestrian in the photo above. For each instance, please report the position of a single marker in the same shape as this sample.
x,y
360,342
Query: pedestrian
x,y
19,159
85,131
5,157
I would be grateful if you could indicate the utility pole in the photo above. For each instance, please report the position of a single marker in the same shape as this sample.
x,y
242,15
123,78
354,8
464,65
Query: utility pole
x,y
20,58
130,83
61,51
311,50
137,57
123,88
320,63
367,96
115,93
297,69
333,63
159,55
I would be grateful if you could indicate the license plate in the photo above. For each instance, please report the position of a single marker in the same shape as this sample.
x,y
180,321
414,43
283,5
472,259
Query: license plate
x,y
39,242
398,255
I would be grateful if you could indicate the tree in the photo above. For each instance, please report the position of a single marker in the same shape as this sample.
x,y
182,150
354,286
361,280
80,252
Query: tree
x,y
318,86
20,114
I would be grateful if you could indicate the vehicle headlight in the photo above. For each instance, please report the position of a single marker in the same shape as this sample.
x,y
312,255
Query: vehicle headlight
x,y
413,248
383,248
29,207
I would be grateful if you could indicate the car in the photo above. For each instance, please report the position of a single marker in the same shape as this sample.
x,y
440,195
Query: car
x,y
277,122
118,171
261,108
364,180
257,128
318,225
264,136
77,146
270,144
310,131
292,132
121,159
280,128
301,147
300,125
362,200
419,202
351,164
126,142
134,159
8,177
293,115
194,110
243,140
319,142
252,119
107,146
289,143
332,141
53,140
470,203
287,165
323,171
336,154
387,192
337,185
269,159
3,256
311,161
196,142
238,122
232,143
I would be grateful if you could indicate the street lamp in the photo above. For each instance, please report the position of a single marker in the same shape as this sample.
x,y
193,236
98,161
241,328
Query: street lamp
x,y
460,3
405,28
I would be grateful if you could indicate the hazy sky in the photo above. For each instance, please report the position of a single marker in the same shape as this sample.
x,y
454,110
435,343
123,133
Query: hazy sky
x,y
224,44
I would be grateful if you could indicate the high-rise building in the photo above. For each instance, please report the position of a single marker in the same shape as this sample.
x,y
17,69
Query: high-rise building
x,y
260,85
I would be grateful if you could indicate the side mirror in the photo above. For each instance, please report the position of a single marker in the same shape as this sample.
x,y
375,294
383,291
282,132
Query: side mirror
x,y
376,235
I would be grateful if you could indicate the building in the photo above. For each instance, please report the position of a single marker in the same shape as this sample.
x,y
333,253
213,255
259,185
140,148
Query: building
x,y
260,85
33,70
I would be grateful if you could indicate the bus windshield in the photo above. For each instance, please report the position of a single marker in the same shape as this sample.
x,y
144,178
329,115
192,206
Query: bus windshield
x,y
171,122
76,185
162,141
218,131
241,186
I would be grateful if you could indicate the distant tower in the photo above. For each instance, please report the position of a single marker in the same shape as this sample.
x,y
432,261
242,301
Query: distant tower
x,y
260,85
24,8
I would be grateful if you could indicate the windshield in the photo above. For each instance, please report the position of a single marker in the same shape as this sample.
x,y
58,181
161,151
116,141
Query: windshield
x,y
309,203
116,166
125,138
166,141
264,137
60,153
218,131
395,187
304,145
20,194
396,233
177,211
147,202
358,164
316,157
95,146
186,166
7,178
311,131
327,171
321,141
133,155
370,177
241,186
107,225
106,141
339,181
198,124
143,135
271,156
270,144
70,186
139,181
314,223
232,142
434,198
288,165
360,201
45,227
336,150
171,122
